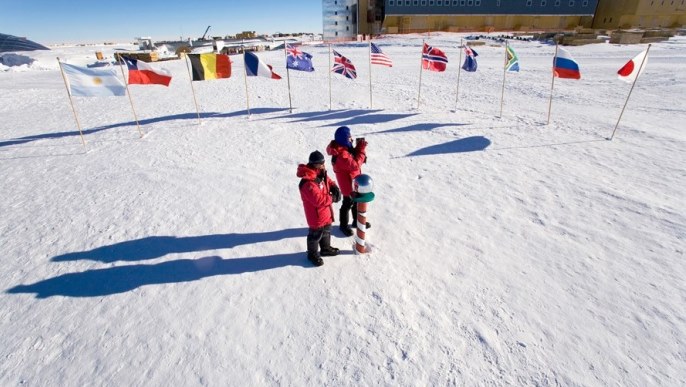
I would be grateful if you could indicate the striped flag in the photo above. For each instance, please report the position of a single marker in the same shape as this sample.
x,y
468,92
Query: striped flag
x,y
85,82
564,66
210,66
343,66
379,57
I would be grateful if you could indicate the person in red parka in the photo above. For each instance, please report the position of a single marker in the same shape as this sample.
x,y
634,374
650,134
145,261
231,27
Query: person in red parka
x,y
318,192
347,164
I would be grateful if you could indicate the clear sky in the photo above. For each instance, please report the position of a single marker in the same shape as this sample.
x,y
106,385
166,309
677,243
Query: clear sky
x,y
78,21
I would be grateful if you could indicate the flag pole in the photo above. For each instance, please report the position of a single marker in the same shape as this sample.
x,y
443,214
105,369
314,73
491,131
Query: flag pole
x,y
550,103
370,74
502,93
288,77
459,71
245,77
632,89
190,77
329,76
71,102
128,92
421,70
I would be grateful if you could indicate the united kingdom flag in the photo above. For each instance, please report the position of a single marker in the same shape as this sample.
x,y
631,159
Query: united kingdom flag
x,y
343,66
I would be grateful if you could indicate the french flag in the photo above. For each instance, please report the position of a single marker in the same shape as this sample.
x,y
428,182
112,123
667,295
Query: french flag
x,y
256,68
141,73
564,66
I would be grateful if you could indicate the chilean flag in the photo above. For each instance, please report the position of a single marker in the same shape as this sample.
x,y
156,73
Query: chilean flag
x,y
254,67
633,68
564,66
141,73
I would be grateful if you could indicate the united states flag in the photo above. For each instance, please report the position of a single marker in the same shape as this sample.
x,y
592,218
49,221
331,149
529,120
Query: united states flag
x,y
379,57
343,66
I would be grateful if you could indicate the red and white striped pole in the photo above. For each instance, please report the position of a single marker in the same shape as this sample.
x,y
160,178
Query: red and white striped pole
x,y
360,245
362,185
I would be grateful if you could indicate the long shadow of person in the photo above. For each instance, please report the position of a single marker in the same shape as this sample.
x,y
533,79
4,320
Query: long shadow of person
x,y
114,280
158,246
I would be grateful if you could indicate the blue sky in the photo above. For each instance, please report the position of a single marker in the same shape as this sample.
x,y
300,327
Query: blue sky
x,y
77,21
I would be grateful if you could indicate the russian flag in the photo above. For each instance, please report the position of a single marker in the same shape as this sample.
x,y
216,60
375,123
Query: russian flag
x,y
141,73
256,68
564,66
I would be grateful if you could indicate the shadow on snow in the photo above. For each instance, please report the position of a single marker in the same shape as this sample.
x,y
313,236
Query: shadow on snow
x,y
114,280
158,246
469,144
418,128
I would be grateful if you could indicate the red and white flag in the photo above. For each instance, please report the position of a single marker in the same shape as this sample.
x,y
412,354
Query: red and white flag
x,y
634,67
141,73
378,57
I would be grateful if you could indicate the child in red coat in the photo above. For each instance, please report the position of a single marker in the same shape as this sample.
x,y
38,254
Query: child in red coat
x,y
318,192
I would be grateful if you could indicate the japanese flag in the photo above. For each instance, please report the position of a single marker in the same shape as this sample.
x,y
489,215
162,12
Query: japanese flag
x,y
633,68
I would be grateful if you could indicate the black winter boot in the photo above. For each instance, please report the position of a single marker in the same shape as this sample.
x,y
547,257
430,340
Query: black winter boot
x,y
316,259
329,252
346,230
369,225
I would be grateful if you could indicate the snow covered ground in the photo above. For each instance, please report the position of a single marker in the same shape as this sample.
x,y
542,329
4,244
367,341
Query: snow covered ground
x,y
504,251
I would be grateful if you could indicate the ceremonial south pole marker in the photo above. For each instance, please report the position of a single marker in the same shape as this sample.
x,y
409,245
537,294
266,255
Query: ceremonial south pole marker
x,y
362,185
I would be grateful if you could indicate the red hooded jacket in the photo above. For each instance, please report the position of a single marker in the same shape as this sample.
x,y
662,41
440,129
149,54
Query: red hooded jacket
x,y
315,196
346,165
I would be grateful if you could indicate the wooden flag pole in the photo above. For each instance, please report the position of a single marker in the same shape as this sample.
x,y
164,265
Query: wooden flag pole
x,y
459,71
190,77
71,102
632,89
502,93
370,74
245,77
128,92
329,76
288,77
550,103
421,70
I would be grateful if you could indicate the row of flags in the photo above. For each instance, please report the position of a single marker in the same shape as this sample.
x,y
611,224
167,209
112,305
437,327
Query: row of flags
x,y
104,82
88,82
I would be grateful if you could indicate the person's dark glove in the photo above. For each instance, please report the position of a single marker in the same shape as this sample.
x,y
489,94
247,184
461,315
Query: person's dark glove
x,y
361,146
335,194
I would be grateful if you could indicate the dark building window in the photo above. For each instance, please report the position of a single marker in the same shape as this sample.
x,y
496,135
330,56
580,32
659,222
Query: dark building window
x,y
477,3
571,3
557,3
529,3
423,3
584,3
543,3
470,2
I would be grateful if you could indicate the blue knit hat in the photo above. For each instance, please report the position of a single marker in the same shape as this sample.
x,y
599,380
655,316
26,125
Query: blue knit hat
x,y
342,136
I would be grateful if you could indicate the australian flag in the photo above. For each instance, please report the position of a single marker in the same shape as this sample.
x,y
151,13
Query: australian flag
x,y
298,60
343,66
470,60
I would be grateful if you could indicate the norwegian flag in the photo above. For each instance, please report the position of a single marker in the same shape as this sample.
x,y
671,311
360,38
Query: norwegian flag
x,y
433,59
343,66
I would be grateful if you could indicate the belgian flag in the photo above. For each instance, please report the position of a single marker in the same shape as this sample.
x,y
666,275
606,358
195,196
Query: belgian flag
x,y
210,66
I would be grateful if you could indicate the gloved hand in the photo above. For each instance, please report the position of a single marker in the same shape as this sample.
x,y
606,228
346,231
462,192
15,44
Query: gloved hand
x,y
361,146
335,194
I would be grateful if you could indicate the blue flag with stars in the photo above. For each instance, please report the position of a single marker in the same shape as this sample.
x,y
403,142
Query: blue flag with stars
x,y
298,60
